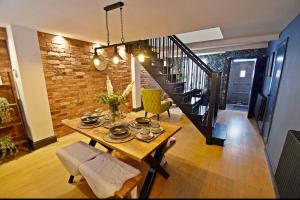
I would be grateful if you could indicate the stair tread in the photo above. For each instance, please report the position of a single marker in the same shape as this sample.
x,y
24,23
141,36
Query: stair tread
x,y
185,91
193,100
201,110
175,83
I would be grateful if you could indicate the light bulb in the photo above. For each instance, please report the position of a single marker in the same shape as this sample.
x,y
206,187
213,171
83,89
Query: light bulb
x,y
141,57
122,52
96,61
116,60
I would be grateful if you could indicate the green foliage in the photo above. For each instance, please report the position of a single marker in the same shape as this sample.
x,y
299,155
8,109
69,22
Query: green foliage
x,y
7,147
5,111
111,100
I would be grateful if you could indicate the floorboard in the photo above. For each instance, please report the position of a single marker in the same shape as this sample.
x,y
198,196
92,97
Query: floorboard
x,y
237,170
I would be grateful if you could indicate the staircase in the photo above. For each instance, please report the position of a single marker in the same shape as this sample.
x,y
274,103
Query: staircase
x,y
193,86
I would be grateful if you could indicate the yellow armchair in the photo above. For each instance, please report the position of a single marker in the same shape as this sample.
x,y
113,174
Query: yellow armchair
x,y
151,99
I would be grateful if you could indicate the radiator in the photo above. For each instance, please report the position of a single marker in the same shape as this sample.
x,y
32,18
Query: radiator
x,y
287,175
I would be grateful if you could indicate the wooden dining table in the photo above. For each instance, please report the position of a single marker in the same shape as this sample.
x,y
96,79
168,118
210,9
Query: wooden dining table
x,y
138,150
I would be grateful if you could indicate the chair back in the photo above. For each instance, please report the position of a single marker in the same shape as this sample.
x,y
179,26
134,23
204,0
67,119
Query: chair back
x,y
151,99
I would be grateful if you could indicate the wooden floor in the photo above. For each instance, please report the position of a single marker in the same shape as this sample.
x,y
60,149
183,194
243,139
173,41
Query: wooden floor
x,y
238,170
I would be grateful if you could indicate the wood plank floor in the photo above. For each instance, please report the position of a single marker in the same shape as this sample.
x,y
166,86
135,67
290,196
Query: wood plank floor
x,y
238,170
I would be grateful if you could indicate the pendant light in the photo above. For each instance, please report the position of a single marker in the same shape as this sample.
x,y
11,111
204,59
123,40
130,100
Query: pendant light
x,y
96,60
141,52
116,57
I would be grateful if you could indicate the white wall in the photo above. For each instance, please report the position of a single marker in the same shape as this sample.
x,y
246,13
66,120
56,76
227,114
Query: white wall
x,y
136,77
29,76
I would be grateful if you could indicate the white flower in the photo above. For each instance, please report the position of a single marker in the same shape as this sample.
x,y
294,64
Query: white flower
x,y
110,90
127,90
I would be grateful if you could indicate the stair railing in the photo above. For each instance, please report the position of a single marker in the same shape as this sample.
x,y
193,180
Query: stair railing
x,y
182,65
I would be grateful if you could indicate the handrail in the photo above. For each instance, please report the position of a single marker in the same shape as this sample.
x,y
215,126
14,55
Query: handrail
x,y
194,57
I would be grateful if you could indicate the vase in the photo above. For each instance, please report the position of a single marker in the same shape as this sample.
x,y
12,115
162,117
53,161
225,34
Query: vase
x,y
115,113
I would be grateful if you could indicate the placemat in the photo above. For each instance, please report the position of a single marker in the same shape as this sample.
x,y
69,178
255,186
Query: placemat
x,y
109,139
86,126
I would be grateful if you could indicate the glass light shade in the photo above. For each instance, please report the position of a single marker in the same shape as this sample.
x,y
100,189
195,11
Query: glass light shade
x,y
117,57
116,60
96,60
141,57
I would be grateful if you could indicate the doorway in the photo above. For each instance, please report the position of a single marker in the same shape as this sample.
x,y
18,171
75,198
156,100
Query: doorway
x,y
240,83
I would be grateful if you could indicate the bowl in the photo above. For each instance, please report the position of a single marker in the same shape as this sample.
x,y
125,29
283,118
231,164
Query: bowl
x,y
89,119
119,130
142,120
144,131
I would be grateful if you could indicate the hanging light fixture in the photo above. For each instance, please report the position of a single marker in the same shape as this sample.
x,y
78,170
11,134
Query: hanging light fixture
x,y
98,60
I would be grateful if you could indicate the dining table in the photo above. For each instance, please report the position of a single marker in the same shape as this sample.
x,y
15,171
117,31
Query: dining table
x,y
150,152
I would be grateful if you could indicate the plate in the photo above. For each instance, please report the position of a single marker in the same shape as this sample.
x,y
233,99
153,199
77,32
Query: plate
x,y
141,137
157,130
142,120
119,136
119,130
89,119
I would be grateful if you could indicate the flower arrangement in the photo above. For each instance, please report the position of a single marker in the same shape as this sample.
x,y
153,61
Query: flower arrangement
x,y
114,100
5,111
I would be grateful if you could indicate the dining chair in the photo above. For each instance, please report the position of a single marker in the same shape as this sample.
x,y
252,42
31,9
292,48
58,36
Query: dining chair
x,y
151,99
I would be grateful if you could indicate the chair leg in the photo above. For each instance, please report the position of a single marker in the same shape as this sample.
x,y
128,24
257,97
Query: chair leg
x,y
157,117
169,113
71,179
146,114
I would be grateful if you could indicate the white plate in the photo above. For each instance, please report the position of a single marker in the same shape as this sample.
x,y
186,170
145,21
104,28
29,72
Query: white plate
x,y
161,129
139,136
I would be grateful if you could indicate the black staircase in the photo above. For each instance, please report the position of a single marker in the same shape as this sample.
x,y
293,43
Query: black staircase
x,y
192,85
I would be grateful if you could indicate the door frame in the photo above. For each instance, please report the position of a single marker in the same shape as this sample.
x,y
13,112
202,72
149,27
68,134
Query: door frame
x,y
275,95
229,61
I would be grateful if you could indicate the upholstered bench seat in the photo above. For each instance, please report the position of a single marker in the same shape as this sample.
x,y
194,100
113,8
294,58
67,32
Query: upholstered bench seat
x,y
106,176
72,156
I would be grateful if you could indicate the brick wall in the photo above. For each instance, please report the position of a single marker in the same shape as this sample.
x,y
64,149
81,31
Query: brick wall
x,y
72,84
148,82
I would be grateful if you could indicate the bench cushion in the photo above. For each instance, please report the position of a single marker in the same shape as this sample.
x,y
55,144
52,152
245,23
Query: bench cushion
x,y
106,174
72,156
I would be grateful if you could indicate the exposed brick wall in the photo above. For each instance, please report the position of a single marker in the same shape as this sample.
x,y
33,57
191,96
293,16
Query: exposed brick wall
x,y
72,84
148,82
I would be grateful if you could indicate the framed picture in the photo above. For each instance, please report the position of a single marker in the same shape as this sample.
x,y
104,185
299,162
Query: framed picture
x,y
270,63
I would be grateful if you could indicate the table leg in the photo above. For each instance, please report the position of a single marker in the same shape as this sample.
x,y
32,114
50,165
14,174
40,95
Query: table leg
x,y
154,168
160,169
93,142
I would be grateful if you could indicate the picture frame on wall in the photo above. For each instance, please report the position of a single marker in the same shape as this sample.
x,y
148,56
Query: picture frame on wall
x,y
270,64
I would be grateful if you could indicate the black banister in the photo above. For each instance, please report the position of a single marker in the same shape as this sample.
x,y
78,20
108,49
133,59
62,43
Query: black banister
x,y
193,56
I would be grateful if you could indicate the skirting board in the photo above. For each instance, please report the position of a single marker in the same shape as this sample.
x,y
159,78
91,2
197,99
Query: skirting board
x,y
44,142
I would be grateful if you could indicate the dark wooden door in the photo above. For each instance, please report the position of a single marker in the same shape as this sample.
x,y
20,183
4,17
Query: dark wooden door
x,y
271,102
240,81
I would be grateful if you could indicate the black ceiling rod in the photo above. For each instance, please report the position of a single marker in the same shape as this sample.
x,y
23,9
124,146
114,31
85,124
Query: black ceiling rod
x,y
114,6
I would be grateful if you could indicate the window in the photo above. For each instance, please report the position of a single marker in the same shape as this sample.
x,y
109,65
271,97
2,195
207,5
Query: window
x,y
242,73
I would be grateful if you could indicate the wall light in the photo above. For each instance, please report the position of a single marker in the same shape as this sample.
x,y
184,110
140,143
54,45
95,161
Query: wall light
x,y
141,57
58,39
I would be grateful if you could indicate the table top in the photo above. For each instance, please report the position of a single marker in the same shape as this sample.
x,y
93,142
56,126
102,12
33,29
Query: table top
x,y
135,148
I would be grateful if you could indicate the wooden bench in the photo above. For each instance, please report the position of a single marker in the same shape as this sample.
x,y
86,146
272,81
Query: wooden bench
x,y
129,185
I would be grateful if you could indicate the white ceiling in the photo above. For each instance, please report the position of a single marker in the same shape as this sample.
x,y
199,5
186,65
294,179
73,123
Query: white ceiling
x,y
85,19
